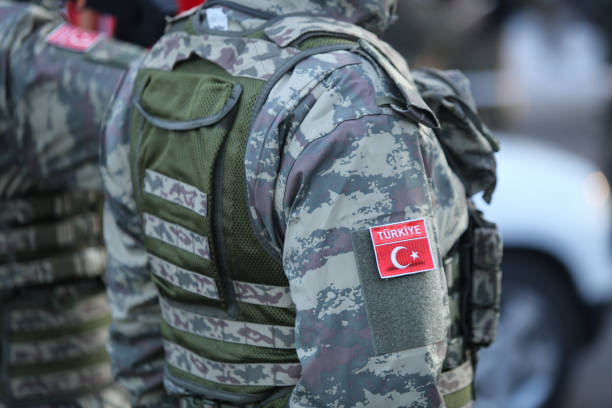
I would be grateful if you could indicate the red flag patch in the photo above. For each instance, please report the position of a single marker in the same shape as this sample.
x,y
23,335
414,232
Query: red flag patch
x,y
402,248
73,38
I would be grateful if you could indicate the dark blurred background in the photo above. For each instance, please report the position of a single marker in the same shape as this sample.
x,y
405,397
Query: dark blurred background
x,y
538,67
540,70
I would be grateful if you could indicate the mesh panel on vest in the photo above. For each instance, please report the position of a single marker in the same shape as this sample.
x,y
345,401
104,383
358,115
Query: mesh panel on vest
x,y
246,260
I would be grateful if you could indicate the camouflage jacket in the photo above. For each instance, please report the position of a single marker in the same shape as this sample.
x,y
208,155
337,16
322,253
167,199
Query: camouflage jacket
x,y
52,298
325,160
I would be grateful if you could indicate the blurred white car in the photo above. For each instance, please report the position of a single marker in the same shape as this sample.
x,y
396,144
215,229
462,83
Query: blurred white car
x,y
554,212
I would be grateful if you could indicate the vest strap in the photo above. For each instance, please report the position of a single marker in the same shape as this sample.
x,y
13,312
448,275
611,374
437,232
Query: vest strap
x,y
456,386
175,191
85,263
232,331
50,236
193,282
176,236
27,210
268,374
263,295
53,342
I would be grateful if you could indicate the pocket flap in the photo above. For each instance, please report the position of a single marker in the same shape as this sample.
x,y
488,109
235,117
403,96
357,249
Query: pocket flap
x,y
183,101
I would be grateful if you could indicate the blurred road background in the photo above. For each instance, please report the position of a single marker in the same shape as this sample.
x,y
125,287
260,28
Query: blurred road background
x,y
541,69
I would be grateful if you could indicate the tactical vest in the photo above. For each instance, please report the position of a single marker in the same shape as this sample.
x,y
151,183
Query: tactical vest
x,y
54,313
227,315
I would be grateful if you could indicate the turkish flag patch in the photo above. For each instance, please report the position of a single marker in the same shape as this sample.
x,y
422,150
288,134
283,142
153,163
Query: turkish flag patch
x,y
402,248
73,38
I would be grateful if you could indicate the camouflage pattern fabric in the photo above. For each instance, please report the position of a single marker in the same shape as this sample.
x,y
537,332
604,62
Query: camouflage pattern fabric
x,y
326,159
374,15
228,330
53,308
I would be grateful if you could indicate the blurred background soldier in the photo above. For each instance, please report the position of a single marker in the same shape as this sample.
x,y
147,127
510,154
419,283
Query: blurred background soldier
x,y
54,312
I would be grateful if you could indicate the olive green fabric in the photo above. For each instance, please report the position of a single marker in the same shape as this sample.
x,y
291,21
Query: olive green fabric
x,y
187,155
459,398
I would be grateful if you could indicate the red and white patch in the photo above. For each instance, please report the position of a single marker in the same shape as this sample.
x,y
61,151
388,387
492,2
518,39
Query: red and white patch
x,y
402,248
73,38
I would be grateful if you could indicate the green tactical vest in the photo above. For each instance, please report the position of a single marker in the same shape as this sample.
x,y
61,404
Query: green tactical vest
x,y
227,315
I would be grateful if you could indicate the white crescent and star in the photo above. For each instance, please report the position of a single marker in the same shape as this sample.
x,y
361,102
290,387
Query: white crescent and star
x,y
414,255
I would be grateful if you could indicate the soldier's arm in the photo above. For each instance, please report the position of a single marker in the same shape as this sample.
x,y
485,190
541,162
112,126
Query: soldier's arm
x,y
56,83
361,339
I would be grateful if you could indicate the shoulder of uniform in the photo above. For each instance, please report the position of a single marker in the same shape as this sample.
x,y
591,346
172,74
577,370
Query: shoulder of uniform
x,y
403,96
178,22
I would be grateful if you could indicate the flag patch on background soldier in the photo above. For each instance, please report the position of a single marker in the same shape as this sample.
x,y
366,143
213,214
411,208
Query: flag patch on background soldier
x,y
73,38
402,248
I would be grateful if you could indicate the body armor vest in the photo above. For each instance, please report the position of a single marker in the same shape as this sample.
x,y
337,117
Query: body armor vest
x,y
227,315
55,314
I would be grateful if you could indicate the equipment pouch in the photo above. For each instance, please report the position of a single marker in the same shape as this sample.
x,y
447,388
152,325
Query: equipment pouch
x,y
485,297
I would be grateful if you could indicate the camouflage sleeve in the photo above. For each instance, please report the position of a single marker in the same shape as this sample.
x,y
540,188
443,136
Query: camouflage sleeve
x,y
51,108
135,342
362,340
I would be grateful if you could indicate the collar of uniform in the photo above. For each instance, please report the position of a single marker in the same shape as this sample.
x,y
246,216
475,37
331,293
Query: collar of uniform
x,y
373,15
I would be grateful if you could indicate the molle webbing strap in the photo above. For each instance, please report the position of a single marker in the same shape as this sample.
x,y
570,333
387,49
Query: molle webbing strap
x,y
51,236
82,263
29,209
54,344
456,386
193,282
224,329
249,374
456,351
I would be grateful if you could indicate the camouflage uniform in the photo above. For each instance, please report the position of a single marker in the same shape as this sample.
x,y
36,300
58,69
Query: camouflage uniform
x,y
329,154
53,308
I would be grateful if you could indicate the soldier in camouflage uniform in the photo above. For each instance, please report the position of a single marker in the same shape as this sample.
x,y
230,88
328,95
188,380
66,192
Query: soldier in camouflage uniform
x,y
260,244
53,308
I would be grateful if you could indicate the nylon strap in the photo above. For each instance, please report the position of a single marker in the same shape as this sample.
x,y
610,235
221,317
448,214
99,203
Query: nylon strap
x,y
460,398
